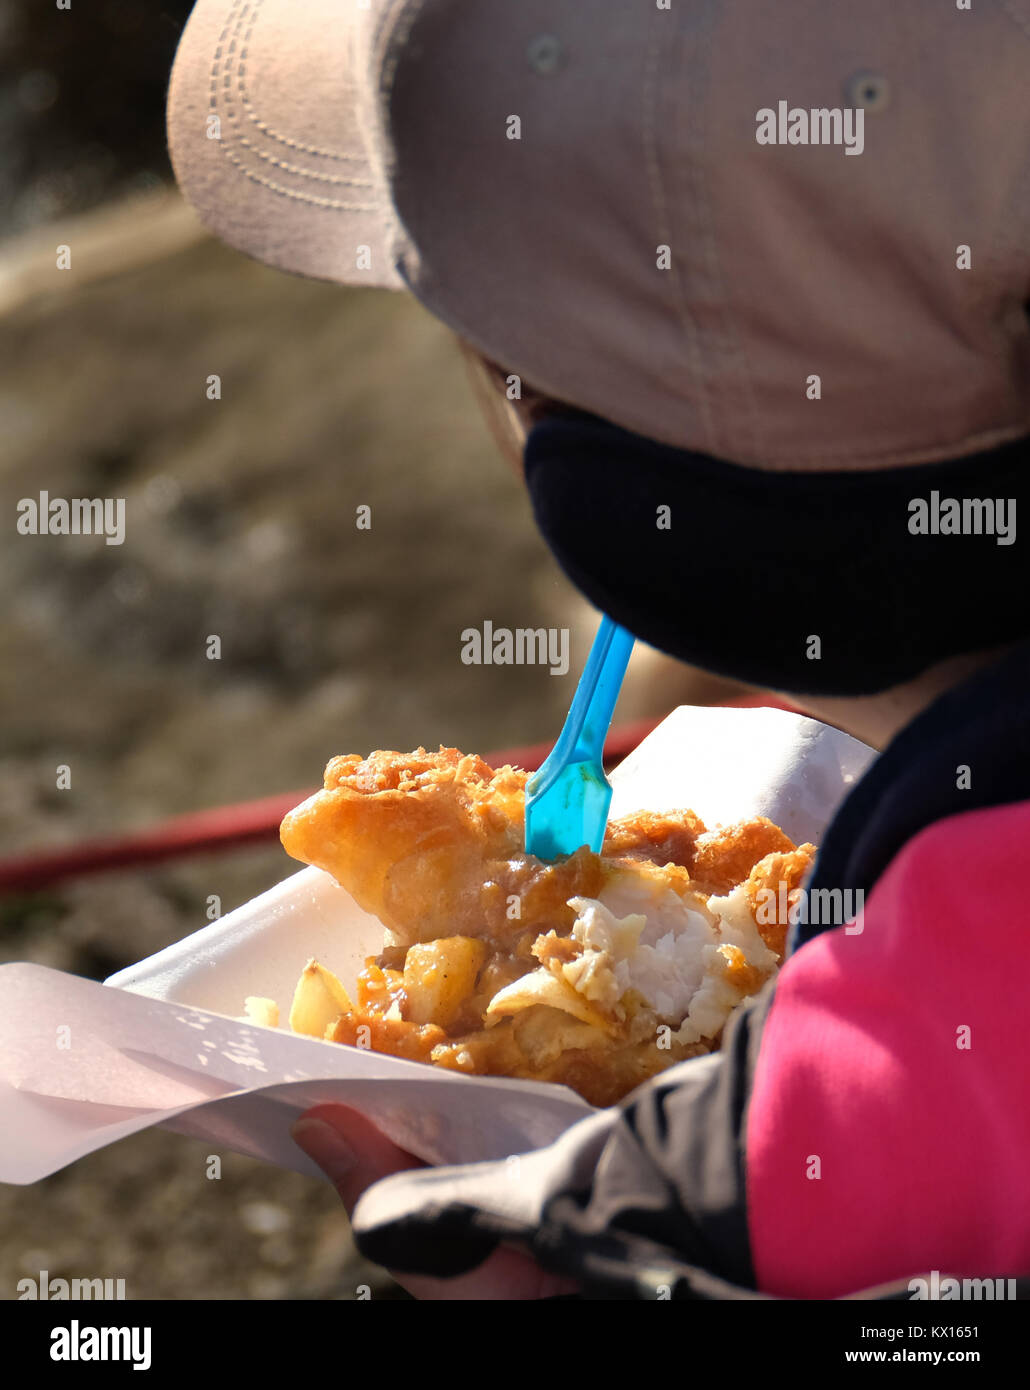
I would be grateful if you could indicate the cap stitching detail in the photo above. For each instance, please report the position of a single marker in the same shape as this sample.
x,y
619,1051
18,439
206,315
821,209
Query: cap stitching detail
x,y
241,18
333,204
296,169
330,204
736,372
654,176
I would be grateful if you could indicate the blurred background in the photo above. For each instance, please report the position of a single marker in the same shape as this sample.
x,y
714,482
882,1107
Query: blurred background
x,y
239,522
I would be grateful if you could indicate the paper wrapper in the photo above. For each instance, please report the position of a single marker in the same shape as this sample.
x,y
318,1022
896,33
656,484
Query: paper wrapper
x,y
83,1064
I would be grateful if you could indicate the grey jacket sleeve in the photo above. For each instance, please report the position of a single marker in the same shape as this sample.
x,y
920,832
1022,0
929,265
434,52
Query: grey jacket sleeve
x,y
646,1199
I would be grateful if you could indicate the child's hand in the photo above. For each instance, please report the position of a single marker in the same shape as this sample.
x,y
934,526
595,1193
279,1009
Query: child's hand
x,y
353,1154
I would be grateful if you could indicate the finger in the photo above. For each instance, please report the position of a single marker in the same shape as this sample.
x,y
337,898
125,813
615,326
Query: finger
x,y
353,1154
506,1274
349,1149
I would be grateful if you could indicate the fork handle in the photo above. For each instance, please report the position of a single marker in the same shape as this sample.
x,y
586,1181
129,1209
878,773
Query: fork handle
x,y
590,714
599,689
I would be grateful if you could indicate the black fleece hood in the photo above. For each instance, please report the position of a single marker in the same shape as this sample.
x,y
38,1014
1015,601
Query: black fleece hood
x,y
826,583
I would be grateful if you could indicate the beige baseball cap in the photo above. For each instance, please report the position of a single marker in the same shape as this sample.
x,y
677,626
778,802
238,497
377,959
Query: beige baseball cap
x,y
792,235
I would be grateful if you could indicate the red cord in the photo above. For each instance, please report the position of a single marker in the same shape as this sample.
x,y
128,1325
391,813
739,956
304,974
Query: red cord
x,y
248,822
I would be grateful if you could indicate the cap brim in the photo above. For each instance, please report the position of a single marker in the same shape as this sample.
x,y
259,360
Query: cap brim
x,y
270,133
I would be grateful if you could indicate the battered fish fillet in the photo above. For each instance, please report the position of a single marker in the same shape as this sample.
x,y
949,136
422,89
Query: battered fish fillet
x,y
596,970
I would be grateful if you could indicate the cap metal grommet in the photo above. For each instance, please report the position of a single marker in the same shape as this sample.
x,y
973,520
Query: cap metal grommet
x,y
870,91
546,54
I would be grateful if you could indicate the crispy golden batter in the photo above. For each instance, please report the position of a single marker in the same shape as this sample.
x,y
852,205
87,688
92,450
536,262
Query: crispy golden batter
x,y
407,834
779,876
501,964
662,839
724,857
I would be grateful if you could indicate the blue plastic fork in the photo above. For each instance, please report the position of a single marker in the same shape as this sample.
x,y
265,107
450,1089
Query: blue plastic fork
x,y
567,799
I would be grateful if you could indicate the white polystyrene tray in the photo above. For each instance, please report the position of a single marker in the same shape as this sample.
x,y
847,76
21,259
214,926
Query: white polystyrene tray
x,y
162,1042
